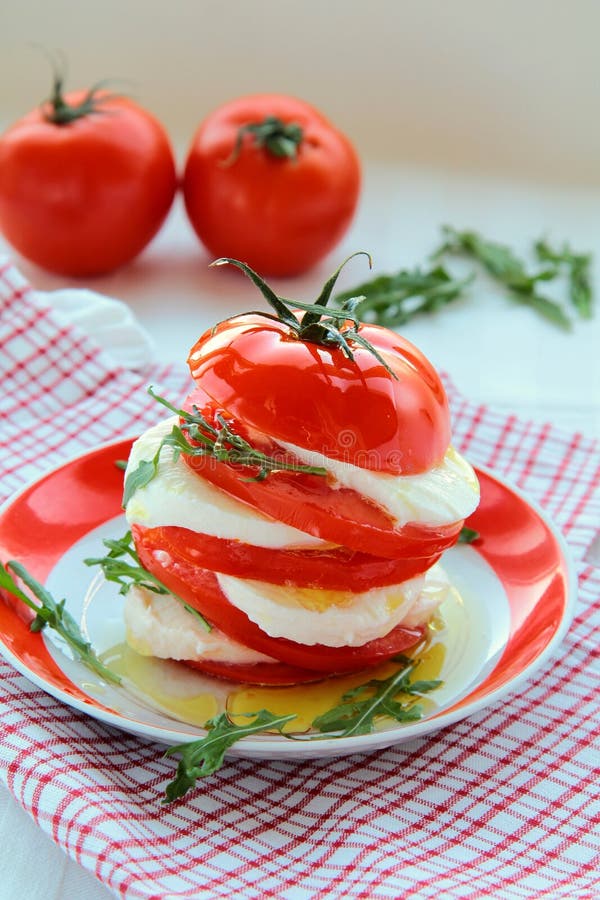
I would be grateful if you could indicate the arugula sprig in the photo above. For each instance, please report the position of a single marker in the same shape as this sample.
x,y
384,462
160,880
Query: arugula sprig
x,y
122,566
394,697
578,266
217,441
50,613
362,705
507,268
206,756
393,300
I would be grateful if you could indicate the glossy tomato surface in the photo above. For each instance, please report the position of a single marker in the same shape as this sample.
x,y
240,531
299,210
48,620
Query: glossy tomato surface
x,y
339,515
335,568
200,588
275,673
314,397
280,215
85,197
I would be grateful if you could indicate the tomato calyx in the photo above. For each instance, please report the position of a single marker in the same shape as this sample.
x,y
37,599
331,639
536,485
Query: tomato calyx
x,y
57,111
318,324
280,139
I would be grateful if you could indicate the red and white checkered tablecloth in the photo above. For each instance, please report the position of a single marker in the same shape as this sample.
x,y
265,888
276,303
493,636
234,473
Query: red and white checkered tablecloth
x,y
505,804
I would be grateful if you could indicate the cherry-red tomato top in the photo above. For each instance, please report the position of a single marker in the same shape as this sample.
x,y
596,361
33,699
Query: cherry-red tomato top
x,y
281,215
317,398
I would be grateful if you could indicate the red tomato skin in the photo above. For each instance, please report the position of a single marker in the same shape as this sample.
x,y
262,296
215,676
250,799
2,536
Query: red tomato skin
x,y
276,673
335,569
315,397
313,504
281,216
84,198
342,516
199,588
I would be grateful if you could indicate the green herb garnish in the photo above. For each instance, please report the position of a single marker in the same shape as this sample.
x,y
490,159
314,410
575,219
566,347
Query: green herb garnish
x,y
393,300
122,566
52,614
355,715
578,267
467,535
217,441
377,697
505,267
205,756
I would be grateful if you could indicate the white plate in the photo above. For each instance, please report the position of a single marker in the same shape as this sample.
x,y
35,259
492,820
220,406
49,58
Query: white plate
x,y
512,605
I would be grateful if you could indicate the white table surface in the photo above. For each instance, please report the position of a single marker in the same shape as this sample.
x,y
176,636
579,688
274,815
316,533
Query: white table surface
x,y
496,352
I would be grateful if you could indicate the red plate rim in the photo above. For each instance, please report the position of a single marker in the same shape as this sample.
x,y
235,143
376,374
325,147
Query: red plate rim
x,y
519,542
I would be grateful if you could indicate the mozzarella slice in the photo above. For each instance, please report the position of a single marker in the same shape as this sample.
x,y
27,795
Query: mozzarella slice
x,y
335,618
158,625
176,496
444,494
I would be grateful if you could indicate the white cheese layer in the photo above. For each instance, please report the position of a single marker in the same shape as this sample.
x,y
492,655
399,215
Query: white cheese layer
x,y
158,625
336,618
444,494
177,496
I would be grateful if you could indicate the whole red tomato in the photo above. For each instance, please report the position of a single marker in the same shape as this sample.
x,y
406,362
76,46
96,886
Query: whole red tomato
x,y
357,393
270,181
324,382
86,181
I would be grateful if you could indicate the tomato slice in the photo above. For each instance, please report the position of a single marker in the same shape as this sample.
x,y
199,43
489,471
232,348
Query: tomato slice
x,y
200,588
312,503
337,569
341,516
276,673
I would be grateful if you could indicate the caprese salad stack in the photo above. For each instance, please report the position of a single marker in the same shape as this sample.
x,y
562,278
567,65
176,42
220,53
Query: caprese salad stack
x,y
299,500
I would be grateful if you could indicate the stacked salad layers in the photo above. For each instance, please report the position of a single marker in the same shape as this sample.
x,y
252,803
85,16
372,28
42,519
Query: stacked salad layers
x,y
299,500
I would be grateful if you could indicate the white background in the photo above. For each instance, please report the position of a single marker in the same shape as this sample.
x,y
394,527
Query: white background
x,y
477,114
489,85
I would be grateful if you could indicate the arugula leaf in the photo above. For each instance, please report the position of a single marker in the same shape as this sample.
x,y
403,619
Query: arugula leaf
x,y
205,756
378,697
393,300
356,714
218,442
122,566
506,267
578,267
140,477
52,614
467,535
